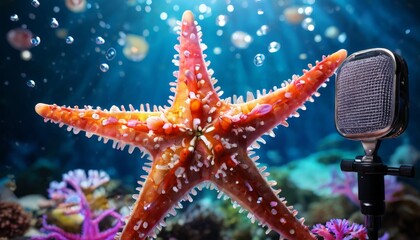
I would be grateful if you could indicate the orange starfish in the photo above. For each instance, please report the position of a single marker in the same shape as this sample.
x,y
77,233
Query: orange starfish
x,y
201,139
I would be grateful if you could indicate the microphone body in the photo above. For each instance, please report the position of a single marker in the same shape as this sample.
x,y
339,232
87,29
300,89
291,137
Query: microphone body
x,y
371,104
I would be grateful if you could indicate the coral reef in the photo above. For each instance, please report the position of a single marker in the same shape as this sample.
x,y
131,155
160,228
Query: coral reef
x,y
301,171
340,229
198,222
346,184
77,203
402,217
14,221
328,208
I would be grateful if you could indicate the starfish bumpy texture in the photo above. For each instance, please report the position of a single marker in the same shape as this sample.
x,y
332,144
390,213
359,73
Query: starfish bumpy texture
x,y
201,140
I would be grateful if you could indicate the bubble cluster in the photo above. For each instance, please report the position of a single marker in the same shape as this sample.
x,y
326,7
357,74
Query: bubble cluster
x,y
69,39
241,39
308,24
99,40
296,15
14,18
259,59
104,67
110,54
263,30
54,23
273,47
221,20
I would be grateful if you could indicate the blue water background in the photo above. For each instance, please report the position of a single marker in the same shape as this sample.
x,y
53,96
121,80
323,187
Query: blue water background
x,y
70,74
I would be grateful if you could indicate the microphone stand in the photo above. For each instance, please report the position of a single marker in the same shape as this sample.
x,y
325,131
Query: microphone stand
x,y
370,179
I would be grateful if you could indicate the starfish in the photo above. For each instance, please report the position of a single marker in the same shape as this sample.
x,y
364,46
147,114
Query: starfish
x,y
201,139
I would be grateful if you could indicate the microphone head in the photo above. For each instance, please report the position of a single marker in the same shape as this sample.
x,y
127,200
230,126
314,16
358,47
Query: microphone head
x,y
371,95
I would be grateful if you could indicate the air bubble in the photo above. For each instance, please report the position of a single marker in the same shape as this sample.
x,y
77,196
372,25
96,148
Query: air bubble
x,y
230,8
35,3
54,23
30,83
104,67
259,59
14,18
273,47
110,54
69,39
100,40
332,32
342,37
26,55
35,41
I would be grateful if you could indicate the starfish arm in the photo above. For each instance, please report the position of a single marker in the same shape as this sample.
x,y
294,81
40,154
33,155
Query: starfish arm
x,y
146,130
244,183
169,181
273,109
194,92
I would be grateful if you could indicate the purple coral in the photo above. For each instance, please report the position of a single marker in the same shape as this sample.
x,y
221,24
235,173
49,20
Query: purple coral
x,y
340,229
75,198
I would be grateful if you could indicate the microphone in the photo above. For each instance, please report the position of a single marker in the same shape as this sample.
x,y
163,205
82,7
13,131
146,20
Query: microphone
x,y
372,95
371,104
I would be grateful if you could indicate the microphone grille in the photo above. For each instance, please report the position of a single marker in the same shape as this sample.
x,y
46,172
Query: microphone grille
x,y
365,96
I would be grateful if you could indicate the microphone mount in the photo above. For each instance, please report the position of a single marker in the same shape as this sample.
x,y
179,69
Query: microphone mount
x,y
371,186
